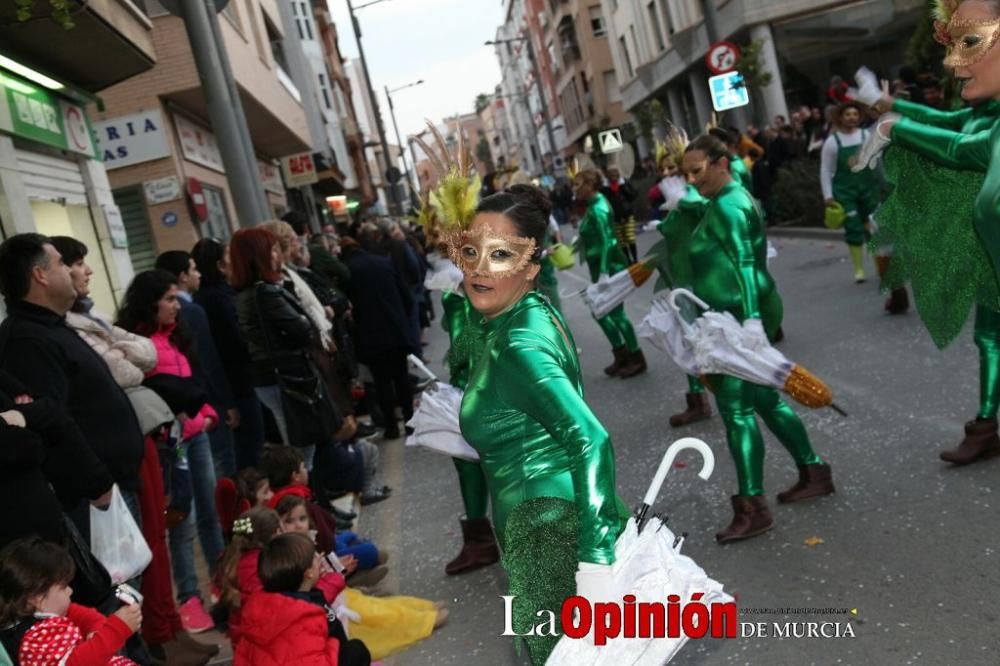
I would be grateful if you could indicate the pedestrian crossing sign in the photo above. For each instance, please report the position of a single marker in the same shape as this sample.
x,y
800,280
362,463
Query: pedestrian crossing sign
x,y
611,141
728,91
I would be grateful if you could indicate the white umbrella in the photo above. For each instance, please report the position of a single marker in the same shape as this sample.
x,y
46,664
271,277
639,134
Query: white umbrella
x,y
609,292
664,329
648,565
720,345
435,423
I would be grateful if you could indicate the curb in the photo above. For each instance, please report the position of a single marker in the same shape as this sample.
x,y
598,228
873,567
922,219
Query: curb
x,y
815,233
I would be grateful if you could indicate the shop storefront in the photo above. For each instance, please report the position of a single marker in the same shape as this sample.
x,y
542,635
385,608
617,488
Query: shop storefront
x,y
52,182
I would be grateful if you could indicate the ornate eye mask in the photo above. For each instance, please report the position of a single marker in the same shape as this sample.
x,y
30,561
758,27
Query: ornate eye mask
x,y
484,252
968,42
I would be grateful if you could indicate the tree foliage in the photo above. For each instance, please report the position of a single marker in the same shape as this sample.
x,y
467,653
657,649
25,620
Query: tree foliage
x,y
482,102
61,11
751,65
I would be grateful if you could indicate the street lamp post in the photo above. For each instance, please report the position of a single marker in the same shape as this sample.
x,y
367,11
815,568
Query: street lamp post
x,y
541,91
395,127
393,202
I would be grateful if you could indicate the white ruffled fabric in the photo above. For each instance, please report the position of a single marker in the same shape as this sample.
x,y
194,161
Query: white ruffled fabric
x,y
435,424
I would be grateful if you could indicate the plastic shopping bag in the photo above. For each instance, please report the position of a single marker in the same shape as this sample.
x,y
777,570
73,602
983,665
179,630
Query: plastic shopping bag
x,y
117,541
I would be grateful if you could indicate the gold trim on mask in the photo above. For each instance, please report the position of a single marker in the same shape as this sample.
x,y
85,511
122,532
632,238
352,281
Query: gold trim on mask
x,y
968,41
486,253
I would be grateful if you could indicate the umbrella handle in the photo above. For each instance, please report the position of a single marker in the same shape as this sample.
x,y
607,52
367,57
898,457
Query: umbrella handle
x,y
419,365
708,465
674,293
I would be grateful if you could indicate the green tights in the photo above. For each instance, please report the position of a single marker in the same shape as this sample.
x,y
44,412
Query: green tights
x,y
695,385
738,401
987,337
618,329
472,482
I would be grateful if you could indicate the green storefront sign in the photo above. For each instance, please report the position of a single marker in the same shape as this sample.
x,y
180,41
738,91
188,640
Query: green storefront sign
x,y
37,114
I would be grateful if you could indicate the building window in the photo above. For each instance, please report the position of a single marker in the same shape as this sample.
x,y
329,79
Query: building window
x,y
252,15
217,224
275,38
307,20
597,24
625,57
326,92
667,19
654,23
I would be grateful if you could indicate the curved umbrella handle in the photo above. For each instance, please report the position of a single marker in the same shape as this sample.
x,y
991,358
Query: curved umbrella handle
x,y
708,464
674,293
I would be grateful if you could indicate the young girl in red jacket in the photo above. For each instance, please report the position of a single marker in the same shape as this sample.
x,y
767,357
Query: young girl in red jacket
x,y
238,569
40,626
290,621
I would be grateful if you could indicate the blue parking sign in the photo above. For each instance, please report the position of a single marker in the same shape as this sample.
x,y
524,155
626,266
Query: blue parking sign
x,y
728,91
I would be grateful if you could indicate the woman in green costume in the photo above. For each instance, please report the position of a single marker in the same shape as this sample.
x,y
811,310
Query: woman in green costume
x,y
548,283
604,257
728,254
970,30
549,462
675,265
463,324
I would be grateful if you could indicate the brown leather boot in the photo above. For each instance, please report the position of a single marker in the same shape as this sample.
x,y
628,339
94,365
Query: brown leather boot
x,y
479,547
981,442
621,356
635,364
698,409
814,481
750,518
898,301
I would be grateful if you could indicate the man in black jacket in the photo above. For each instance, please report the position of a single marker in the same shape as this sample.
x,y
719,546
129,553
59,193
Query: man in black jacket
x,y
53,361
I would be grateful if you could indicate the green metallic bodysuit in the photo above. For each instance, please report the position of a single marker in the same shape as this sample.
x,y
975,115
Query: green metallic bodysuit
x,y
547,281
955,148
549,462
676,230
464,328
729,271
603,256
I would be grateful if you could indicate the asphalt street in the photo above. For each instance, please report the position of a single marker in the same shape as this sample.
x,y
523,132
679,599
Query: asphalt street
x,y
908,541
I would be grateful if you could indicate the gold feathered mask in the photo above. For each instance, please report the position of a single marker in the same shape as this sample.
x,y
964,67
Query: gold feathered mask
x,y
457,193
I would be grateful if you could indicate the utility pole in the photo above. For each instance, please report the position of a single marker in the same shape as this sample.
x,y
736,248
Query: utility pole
x,y
245,184
237,106
391,190
399,142
545,107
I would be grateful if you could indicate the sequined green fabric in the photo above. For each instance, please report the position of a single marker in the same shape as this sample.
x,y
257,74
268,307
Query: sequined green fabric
x,y
540,559
928,221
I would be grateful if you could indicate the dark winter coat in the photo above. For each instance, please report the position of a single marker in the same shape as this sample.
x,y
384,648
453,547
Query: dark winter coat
x,y
381,304
219,303
276,329
53,361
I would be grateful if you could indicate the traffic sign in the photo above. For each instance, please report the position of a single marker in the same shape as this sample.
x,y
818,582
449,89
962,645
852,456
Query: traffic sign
x,y
728,91
611,141
722,57
393,175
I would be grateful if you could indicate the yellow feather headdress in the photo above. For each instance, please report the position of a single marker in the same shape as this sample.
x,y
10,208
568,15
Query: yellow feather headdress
x,y
676,144
659,151
943,9
712,123
457,193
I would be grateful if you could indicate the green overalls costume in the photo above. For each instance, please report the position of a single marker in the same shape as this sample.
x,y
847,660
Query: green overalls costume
x,y
958,154
858,193
740,172
676,229
729,271
604,256
546,280
549,462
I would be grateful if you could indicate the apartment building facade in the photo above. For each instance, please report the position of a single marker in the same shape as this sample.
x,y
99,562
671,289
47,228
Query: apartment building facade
x,y
660,46
52,178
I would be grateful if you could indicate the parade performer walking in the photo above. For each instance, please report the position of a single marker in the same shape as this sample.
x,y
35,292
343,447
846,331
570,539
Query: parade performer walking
x,y
729,272
603,255
970,30
676,228
549,462
858,193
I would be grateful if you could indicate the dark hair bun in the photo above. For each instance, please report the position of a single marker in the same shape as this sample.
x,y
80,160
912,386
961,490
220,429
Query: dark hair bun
x,y
535,197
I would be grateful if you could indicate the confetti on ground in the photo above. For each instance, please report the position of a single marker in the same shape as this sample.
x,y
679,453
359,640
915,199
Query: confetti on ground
x,y
813,541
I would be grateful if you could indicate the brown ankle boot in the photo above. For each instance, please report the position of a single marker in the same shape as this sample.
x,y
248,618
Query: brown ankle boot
x,y
621,357
898,301
635,364
814,481
698,409
750,518
479,547
980,442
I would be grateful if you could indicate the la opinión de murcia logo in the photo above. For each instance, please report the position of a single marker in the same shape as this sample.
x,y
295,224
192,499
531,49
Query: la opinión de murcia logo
x,y
579,617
